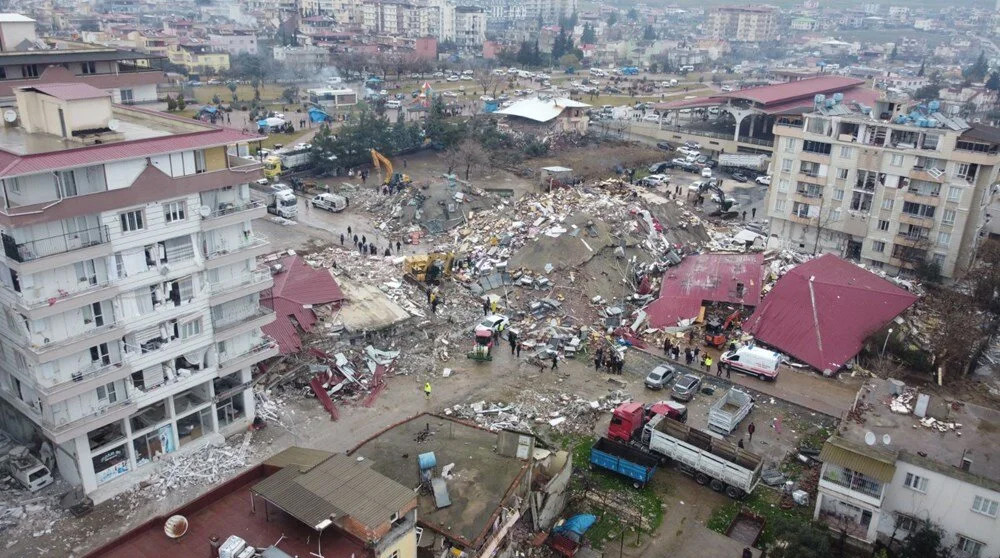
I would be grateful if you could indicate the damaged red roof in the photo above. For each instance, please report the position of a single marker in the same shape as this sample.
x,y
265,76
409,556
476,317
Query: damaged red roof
x,y
298,287
706,277
821,311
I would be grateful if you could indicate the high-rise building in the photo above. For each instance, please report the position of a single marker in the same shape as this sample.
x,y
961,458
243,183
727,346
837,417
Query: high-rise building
x,y
129,281
745,24
470,27
891,186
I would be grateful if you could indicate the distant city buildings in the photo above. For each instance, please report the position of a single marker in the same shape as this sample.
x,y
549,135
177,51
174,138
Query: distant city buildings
x,y
746,24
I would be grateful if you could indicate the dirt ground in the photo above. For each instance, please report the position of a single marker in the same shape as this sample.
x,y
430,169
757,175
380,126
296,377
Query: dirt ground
x,y
598,161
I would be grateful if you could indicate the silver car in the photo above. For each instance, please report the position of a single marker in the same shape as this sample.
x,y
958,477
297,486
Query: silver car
x,y
660,377
686,387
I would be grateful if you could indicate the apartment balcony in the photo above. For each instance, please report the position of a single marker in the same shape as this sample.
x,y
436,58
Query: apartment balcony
x,y
166,350
927,175
56,251
84,381
918,220
144,397
248,283
908,239
814,157
47,350
231,328
925,198
263,351
810,175
901,263
36,308
231,214
801,219
807,196
249,247
244,164
71,429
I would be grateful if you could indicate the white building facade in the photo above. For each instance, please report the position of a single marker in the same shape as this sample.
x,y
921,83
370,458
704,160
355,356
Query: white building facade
x,y
130,286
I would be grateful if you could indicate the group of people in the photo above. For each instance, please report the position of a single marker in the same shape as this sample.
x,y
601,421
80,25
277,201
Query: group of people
x,y
692,355
363,247
361,173
608,360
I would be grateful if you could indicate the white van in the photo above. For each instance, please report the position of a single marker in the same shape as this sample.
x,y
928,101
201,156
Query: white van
x,y
753,361
329,202
393,104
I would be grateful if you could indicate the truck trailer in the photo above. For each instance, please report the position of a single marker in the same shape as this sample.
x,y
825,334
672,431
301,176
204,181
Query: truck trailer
x,y
281,201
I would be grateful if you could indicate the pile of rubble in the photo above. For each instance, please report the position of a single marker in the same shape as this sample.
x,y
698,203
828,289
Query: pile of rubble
x,y
562,412
211,464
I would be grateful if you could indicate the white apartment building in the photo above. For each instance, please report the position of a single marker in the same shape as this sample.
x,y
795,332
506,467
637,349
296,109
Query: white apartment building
x,y
129,284
435,18
888,185
745,24
881,479
470,27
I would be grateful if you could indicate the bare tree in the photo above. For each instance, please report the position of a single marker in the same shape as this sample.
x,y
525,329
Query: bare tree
x,y
488,81
472,155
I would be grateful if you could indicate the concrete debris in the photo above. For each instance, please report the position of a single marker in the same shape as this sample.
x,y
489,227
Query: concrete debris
x,y
562,412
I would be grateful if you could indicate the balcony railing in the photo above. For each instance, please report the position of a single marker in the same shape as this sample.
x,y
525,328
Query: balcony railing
x,y
49,343
262,347
96,415
853,481
249,241
242,164
223,324
90,373
259,275
808,194
230,209
39,248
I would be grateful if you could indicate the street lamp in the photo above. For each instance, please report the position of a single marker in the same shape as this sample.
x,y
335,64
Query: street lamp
x,y
886,342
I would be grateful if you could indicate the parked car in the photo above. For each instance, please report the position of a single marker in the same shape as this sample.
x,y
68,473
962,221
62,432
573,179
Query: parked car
x,y
453,78
706,172
740,177
651,118
660,377
763,179
450,94
686,387
492,323
692,145
657,168
654,180
664,146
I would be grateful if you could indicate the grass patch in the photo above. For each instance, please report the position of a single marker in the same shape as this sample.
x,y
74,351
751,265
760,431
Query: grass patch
x,y
763,503
284,139
204,93
610,523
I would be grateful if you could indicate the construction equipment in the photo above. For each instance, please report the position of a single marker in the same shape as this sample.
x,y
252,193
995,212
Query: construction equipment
x,y
272,167
383,165
481,351
727,205
428,268
715,330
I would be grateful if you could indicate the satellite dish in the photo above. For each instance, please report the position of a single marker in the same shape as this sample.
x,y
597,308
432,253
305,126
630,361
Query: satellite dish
x,y
113,124
886,439
870,438
10,115
204,211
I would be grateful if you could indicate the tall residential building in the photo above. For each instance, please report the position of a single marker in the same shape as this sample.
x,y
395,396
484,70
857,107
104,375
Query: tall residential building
x,y
470,27
129,282
890,186
745,24
25,59
419,18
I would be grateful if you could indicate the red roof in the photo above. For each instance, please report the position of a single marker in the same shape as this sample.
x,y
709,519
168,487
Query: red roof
x,y
70,91
295,288
803,88
821,311
706,277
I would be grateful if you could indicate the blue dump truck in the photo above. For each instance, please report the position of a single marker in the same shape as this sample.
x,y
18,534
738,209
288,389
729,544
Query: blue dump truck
x,y
624,460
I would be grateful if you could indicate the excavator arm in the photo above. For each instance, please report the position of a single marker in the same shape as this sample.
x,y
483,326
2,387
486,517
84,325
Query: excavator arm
x,y
382,165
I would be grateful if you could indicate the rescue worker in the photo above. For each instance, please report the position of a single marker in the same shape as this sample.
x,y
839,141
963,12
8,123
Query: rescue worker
x,y
427,391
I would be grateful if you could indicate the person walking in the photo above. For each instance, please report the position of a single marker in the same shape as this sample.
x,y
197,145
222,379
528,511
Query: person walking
x,y
427,391
598,357
677,352
486,307
355,240
708,363
688,356
740,443
348,230
434,305
751,428
398,246
744,214
387,254
729,369
753,212
512,339
555,361
494,306
364,239
519,350
341,239
666,346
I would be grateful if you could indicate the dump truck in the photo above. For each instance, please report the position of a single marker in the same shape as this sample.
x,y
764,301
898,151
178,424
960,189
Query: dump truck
x,y
281,201
726,414
756,163
710,460
624,460
296,158
722,465
628,419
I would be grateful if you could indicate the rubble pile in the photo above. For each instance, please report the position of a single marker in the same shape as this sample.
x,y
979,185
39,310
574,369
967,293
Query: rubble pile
x,y
211,464
562,412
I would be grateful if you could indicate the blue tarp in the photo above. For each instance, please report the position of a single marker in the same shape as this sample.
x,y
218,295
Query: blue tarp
x,y
577,524
209,109
317,115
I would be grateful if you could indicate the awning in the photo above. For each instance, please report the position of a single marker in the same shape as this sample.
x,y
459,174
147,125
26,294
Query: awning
x,y
877,464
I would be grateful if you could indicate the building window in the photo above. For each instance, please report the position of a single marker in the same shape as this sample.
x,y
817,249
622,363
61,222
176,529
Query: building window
x,y
789,145
887,203
786,165
29,70
199,161
877,264
106,394
971,547
835,215
954,194
878,246
842,174
948,218
127,96
174,211
906,522
897,160
100,356
819,147
944,239
89,68
783,185
846,152
985,506
67,183
916,482
939,260
779,206
131,221
883,225
838,195
190,329
861,201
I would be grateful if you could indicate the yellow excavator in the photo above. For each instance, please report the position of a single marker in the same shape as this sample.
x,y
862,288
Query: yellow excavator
x,y
428,268
384,168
